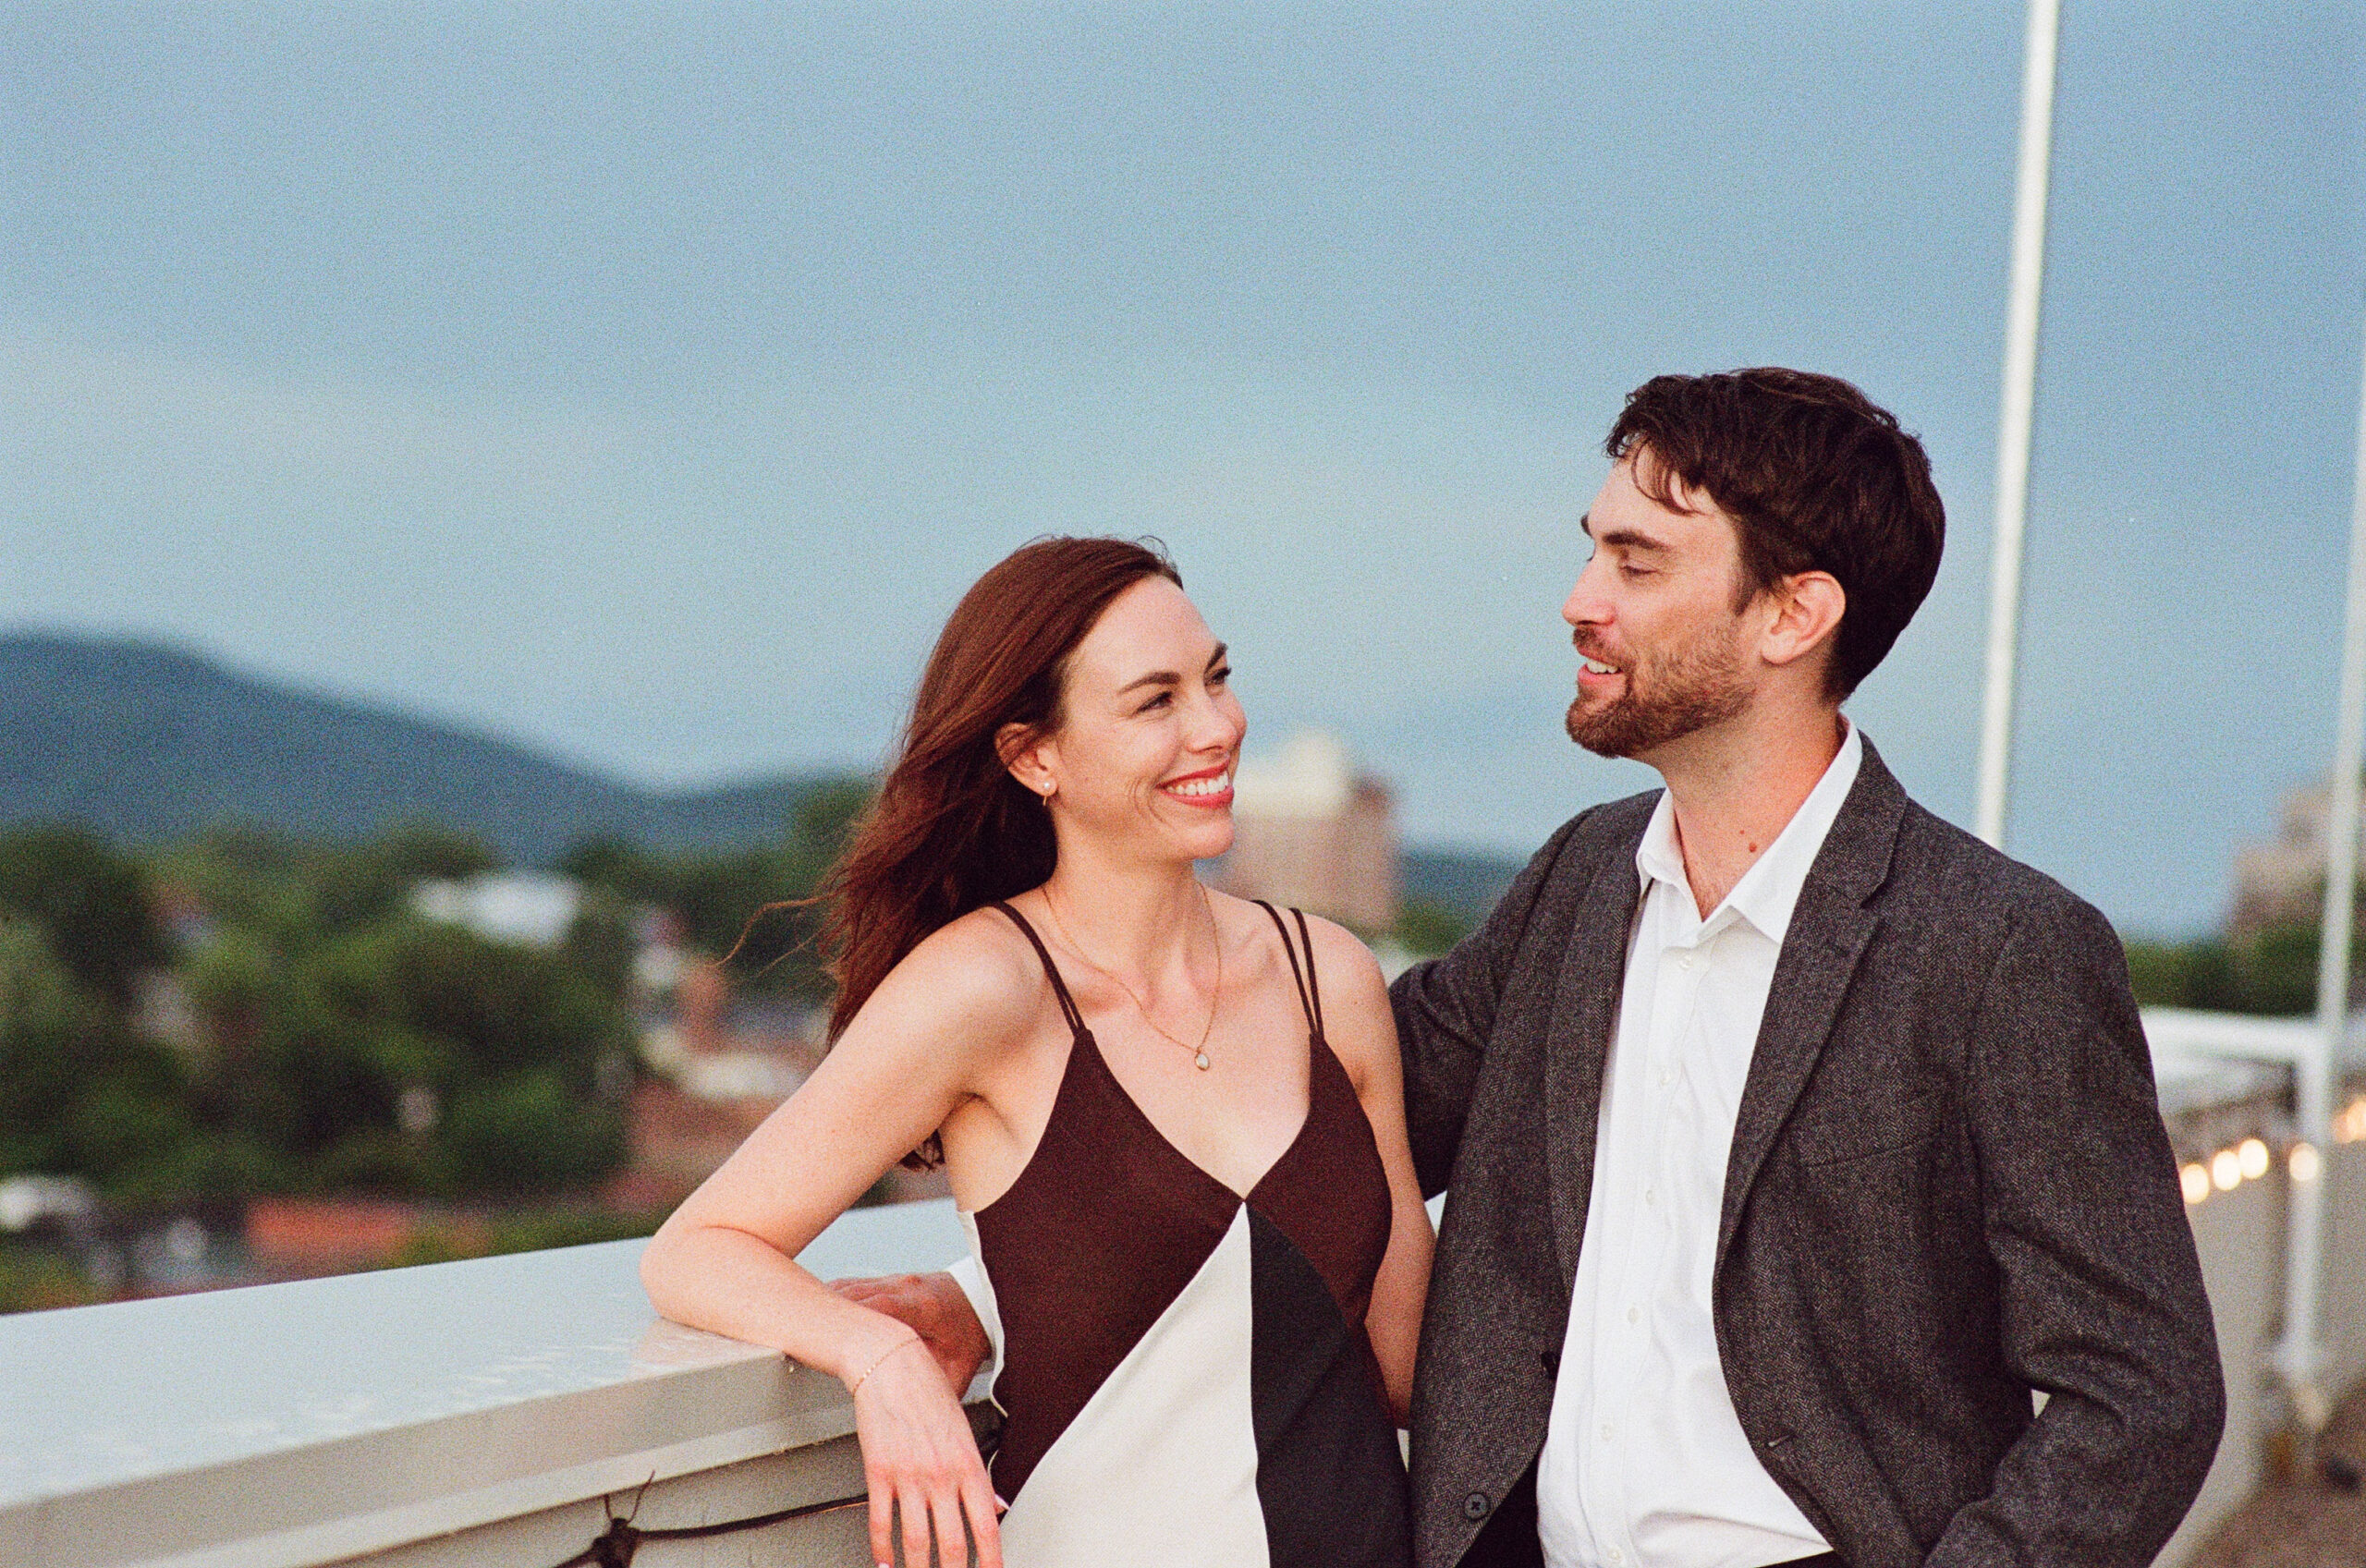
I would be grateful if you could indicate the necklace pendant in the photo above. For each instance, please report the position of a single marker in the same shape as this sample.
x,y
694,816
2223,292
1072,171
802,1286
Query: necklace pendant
x,y
1201,1061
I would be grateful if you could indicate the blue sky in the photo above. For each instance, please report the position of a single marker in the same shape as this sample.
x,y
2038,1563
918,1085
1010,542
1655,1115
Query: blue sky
x,y
646,383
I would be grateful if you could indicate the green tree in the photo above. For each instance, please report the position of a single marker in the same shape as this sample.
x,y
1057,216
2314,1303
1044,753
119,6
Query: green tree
x,y
46,1027
486,1032
79,1094
370,880
600,944
528,1134
1428,929
746,903
252,880
2272,972
92,902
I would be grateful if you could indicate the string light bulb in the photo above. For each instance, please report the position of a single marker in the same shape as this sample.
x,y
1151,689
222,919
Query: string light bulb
x,y
2227,1170
2350,1125
2306,1164
2194,1177
2253,1156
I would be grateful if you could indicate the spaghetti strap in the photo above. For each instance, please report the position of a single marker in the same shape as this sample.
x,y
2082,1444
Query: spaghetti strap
x,y
1308,1002
1313,989
1069,1008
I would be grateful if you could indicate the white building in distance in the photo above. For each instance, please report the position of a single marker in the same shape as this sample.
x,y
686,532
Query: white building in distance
x,y
522,908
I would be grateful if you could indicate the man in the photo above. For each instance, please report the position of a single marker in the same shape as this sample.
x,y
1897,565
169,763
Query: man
x,y
1794,1137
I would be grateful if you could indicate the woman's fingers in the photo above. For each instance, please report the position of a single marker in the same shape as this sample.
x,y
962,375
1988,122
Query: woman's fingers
x,y
912,1503
921,1463
882,1511
977,1502
952,1536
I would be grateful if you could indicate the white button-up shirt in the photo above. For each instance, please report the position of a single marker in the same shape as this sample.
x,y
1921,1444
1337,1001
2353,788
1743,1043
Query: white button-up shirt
x,y
1645,1463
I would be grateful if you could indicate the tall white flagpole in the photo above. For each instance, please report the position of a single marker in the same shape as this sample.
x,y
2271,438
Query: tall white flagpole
x,y
2013,417
2301,1358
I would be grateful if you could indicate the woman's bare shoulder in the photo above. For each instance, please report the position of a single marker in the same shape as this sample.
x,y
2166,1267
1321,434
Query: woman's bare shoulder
x,y
1344,967
1356,1013
1341,951
975,979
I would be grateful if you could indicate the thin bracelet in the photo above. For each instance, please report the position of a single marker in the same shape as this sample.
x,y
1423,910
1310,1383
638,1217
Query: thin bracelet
x,y
856,1387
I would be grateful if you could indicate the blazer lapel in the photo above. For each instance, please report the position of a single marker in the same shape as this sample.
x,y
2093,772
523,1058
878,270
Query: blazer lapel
x,y
1830,927
1585,1007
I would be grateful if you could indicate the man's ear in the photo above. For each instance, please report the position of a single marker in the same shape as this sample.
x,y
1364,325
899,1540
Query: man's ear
x,y
1025,751
1808,607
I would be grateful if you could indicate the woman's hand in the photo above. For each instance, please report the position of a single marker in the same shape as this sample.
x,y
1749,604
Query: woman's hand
x,y
920,1457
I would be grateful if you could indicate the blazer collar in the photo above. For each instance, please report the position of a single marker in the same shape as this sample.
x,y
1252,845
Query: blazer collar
x,y
1585,1010
1830,928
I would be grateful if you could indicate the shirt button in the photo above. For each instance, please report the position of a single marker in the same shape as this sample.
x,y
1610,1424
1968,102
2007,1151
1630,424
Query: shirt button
x,y
1616,1555
1685,962
1605,1432
1634,1314
1650,1196
1475,1506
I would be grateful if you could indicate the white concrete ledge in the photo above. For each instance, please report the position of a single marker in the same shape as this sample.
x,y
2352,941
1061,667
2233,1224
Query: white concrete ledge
x,y
290,1425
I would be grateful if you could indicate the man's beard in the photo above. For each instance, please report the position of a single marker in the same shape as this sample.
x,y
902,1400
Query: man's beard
x,y
1696,686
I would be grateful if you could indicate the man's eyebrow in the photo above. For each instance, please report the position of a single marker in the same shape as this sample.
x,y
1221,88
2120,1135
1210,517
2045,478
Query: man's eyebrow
x,y
1219,656
1633,539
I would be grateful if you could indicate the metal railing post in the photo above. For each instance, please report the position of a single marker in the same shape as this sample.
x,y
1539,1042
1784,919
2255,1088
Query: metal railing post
x,y
2299,1358
2015,413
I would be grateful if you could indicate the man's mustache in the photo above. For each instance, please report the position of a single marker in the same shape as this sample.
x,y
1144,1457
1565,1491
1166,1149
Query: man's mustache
x,y
1595,650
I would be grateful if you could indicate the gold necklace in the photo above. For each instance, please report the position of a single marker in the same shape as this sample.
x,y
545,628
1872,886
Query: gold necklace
x,y
1200,1052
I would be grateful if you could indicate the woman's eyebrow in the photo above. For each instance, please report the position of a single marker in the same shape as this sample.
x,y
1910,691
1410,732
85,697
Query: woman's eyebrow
x,y
1157,677
1168,677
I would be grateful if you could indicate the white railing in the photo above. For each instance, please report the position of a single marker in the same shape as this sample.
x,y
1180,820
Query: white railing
x,y
475,1412
493,1412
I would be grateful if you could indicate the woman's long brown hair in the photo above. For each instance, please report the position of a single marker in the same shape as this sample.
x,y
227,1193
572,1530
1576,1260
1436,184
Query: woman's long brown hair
x,y
951,831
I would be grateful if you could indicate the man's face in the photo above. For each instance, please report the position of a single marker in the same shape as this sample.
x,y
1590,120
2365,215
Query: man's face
x,y
1654,621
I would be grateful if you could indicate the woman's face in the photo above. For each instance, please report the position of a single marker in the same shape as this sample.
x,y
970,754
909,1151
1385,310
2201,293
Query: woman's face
x,y
1149,731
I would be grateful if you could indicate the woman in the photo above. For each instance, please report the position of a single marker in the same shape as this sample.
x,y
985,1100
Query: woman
x,y
1172,1119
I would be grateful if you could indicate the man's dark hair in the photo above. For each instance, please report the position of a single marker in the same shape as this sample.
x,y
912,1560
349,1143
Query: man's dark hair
x,y
1816,476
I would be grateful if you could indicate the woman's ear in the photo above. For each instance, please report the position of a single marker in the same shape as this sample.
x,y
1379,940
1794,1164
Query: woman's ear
x,y
1026,752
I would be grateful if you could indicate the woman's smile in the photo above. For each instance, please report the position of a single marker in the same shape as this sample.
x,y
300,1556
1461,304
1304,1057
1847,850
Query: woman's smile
x,y
1209,787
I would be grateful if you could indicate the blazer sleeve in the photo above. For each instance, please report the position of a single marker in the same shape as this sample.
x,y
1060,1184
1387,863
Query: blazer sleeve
x,y
2103,1305
1445,1015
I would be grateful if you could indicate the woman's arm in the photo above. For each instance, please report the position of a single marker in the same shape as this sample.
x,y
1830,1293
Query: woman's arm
x,y
724,1261
1362,1032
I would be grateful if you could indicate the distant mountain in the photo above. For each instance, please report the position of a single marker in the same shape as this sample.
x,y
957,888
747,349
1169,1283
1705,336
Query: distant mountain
x,y
146,744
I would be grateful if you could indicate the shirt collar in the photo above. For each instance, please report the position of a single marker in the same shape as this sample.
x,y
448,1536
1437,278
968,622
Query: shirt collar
x,y
1770,888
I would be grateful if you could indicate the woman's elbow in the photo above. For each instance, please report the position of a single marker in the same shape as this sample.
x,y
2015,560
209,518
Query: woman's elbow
x,y
664,1269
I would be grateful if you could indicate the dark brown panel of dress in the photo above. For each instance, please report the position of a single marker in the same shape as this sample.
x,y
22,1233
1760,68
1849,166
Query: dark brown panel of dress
x,y
1093,1242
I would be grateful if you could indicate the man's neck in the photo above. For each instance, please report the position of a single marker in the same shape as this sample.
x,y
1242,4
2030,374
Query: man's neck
x,y
1737,785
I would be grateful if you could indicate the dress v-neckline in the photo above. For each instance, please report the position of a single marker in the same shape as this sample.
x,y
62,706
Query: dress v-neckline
x,y
1087,1041
1080,1038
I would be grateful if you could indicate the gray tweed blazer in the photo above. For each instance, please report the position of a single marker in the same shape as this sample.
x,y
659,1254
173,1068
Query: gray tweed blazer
x,y
1949,1186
